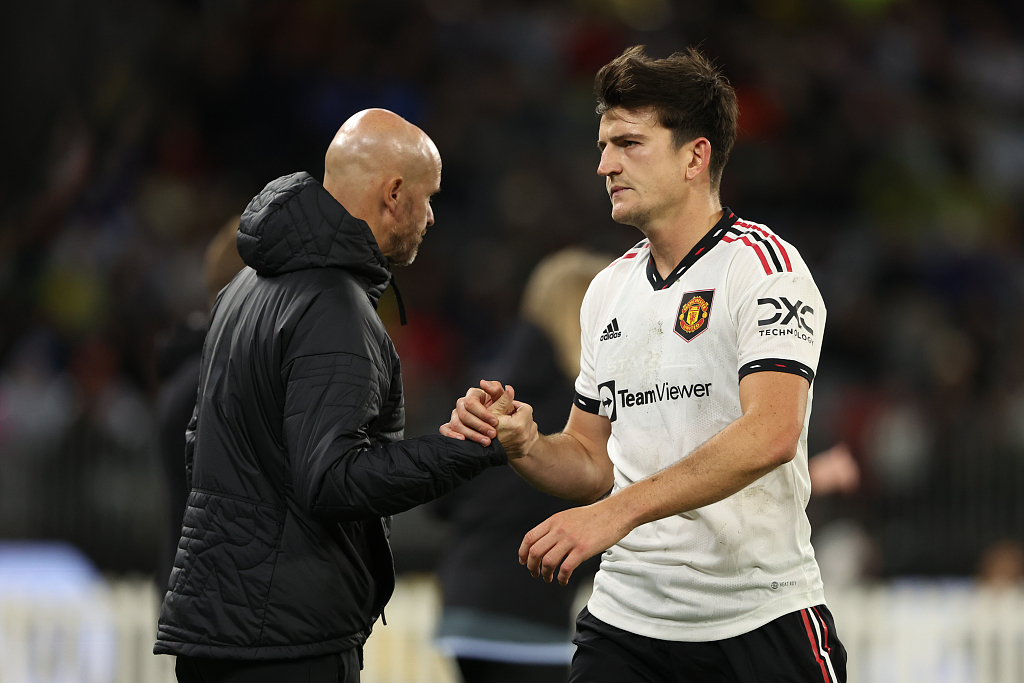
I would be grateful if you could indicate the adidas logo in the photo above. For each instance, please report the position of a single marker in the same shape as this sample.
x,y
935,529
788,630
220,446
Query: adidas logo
x,y
611,332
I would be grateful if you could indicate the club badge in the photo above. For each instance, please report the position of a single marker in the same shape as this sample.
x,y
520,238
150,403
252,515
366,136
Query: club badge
x,y
694,313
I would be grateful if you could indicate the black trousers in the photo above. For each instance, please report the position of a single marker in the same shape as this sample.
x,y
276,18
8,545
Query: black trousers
x,y
800,647
485,671
337,668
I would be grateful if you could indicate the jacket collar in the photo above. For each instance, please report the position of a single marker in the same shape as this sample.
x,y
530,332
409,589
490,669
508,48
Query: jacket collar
x,y
295,224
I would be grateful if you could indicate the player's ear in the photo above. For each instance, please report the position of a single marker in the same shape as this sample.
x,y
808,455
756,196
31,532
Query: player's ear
x,y
699,157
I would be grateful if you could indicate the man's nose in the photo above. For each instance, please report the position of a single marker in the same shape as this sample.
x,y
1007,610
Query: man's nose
x,y
430,215
608,166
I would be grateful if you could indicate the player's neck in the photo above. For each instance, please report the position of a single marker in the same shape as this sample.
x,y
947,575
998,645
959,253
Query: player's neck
x,y
672,239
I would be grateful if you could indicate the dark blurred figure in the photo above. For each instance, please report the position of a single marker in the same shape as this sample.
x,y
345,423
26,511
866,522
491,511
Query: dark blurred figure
x,y
500,624
178,362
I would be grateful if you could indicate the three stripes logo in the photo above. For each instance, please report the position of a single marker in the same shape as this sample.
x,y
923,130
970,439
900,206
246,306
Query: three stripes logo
x,y
611,332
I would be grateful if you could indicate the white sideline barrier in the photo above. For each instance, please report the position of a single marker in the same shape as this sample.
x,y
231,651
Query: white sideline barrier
x,y
906,632
931,632
101,635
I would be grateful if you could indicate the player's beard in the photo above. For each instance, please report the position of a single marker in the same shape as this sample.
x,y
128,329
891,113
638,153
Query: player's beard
x,y
639,217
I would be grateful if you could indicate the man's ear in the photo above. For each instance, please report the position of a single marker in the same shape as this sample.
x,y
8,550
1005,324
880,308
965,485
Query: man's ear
x,y
700,157
392,192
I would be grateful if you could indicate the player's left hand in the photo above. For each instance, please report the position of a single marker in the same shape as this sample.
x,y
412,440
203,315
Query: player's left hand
x,y
571,537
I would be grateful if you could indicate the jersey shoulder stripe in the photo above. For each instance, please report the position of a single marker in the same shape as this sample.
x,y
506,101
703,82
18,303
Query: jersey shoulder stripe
x,y
632,253
765,244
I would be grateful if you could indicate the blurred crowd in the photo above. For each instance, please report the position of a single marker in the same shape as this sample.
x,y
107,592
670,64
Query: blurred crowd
x,y
884,138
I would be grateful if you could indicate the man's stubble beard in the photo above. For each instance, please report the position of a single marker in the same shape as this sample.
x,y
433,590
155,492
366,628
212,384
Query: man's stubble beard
x,y
638,217
404,250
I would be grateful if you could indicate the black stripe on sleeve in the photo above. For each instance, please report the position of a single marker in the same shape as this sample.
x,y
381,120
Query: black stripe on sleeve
x,y
777,365
591,405
765,244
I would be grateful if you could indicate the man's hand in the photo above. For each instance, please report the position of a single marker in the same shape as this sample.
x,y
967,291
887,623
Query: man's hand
x,y
571,537
476,414
518,432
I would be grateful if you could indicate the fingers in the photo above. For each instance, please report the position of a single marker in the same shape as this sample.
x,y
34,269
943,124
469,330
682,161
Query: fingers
x,y
492,388
569,564
542,551
518,432
456,425
553,558
475,416
446,430
545,549
523,412
501,407
531,537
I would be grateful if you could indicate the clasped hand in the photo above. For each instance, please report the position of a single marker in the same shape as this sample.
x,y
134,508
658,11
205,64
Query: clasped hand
x,y
489,412
557,546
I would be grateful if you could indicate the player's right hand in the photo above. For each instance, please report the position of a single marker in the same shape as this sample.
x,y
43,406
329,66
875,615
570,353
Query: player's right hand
x,y
476,414
517,431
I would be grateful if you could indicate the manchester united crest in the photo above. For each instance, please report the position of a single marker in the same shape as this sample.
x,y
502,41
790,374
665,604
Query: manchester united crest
x,y
694,313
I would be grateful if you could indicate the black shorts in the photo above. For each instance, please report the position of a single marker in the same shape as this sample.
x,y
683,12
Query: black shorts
x,y
801,647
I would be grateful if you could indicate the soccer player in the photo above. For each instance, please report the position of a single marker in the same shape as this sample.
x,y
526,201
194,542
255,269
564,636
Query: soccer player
x,y
699,347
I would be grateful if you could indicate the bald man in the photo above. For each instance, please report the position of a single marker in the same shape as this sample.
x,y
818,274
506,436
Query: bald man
x,y
294,456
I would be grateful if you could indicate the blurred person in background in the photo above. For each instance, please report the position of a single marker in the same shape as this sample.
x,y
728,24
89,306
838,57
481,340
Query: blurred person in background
x,y
500,624
688,429
178,361
834,471
1001,564
294,454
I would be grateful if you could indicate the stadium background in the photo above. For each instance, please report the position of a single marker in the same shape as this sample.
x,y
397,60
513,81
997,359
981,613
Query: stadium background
x,y
884,138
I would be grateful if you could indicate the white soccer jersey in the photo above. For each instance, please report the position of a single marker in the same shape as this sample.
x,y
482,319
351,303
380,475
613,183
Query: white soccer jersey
x,y
662,359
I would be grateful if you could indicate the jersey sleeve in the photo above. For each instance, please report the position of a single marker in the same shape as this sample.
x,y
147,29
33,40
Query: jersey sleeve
x,y
780,320
587,393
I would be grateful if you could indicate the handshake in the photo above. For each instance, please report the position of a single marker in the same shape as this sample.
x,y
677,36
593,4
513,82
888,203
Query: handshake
x,y
490,412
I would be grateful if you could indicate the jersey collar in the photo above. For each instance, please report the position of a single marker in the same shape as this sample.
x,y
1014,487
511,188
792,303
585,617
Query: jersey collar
x,y
702,247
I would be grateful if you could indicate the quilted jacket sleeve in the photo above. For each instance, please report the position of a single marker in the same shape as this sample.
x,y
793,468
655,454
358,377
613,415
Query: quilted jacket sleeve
x,y
339,401
338,474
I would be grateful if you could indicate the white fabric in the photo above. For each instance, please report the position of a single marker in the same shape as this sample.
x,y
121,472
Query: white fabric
x,y
731,567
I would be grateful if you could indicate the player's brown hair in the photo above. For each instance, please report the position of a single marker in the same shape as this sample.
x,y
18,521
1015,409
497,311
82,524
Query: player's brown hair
x,y
689,93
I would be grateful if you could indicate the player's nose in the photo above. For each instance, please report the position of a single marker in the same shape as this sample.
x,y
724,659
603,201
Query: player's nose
x,y
608,165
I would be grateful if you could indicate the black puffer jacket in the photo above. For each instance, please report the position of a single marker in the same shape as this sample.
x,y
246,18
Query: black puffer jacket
x,y
295,451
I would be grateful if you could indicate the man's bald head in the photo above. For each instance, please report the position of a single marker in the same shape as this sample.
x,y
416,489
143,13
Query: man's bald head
x,y
383,169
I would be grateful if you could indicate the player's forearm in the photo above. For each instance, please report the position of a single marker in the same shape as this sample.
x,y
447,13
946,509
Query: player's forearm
x,y
561,465
734,458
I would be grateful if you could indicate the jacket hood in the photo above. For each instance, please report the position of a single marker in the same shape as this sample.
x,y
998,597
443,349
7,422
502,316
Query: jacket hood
x,y
295,224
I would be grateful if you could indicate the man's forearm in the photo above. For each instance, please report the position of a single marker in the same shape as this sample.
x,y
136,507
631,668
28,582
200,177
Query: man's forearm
x,y
560,464
361,482
727,463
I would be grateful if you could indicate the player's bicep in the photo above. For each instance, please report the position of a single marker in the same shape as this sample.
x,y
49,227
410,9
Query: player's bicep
x,y
774,405
592,432
779,324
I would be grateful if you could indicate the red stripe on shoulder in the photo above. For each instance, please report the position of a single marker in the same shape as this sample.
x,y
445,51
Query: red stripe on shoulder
x,y
752,245
773,238
632,253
